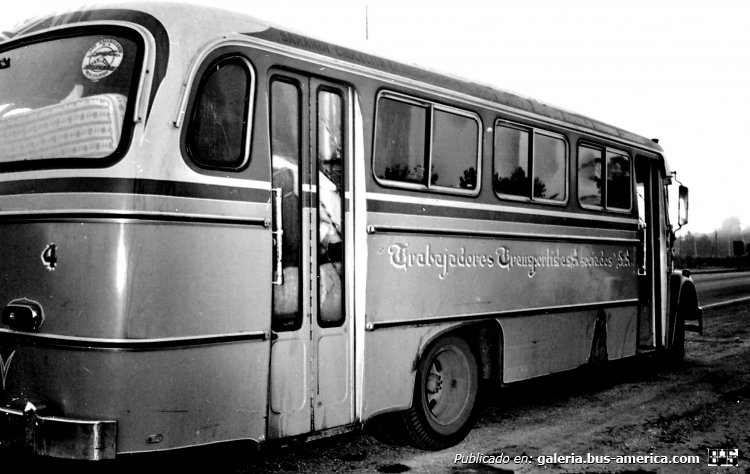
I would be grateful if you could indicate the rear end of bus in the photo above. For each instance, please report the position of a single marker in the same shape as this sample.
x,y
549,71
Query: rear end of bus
x,y
124,288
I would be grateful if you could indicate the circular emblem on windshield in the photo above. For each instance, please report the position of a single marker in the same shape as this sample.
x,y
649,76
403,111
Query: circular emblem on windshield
x,y
102,59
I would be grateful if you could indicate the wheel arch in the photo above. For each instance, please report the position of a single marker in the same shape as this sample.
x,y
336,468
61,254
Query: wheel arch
x,y
684,304
485,338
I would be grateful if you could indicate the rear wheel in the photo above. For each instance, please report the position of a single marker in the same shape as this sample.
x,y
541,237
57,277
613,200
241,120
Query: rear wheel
x,y
445,393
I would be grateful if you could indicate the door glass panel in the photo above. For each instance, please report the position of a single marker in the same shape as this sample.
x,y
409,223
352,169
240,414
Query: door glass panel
x,y
330,207
285,151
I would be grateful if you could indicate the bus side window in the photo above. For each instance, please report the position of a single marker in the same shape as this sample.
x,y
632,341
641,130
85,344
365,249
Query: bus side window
x,y
594,190
530,164
217,132
400,151
455,147
590,176
618,180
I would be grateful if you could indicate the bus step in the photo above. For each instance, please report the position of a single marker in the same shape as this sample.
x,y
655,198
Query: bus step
x,y
693,328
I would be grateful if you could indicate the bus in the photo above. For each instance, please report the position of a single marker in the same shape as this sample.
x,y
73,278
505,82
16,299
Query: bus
x,y
216,230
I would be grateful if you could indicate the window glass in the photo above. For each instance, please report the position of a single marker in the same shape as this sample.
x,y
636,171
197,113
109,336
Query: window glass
x,y
400,140
454,151
589,176
330,205
549,167
618,180
216,133
65,97
285,151
511,162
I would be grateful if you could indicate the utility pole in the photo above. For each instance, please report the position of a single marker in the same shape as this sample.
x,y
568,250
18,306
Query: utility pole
x,y
367,22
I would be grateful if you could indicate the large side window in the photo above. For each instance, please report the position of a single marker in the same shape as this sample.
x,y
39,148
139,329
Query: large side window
x,y
423,145
604,178
455,148
530,164
218,131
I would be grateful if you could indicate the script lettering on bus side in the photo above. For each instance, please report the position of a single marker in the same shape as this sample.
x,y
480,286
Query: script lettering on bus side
x,y
503,258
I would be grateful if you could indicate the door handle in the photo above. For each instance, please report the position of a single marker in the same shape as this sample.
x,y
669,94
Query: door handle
x,y
278,233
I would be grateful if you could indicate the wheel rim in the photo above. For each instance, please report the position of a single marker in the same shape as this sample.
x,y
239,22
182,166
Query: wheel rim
x,y
447,387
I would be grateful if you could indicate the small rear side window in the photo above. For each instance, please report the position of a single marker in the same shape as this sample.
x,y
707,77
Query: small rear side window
x,y
218,132
604,178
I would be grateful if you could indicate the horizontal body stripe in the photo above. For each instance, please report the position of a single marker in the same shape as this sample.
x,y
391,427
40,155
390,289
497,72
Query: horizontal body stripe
x,y
128,216
371,326
457,209
137,186
373,229
382,197
133,344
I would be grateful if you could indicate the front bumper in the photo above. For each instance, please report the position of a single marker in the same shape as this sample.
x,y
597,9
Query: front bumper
x,y
55,436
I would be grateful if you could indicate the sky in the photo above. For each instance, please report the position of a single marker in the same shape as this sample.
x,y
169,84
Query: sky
x,y
676,71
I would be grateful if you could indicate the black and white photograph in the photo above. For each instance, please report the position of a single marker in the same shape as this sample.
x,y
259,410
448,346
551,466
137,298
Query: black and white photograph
x,y
374,236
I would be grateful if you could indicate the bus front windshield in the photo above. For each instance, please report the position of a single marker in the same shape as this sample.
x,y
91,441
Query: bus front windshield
x,y
65,97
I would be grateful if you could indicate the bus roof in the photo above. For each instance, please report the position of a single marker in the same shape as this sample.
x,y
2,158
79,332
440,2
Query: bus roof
x,y
179,21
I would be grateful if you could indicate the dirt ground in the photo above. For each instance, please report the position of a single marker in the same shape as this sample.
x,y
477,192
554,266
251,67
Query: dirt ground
x,y
633,408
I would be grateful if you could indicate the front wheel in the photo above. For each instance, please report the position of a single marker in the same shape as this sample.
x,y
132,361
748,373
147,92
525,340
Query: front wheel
x,y
445,392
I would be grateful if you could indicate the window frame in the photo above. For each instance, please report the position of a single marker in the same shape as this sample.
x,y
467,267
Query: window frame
x,y
533,132
201,77
604,149
430,106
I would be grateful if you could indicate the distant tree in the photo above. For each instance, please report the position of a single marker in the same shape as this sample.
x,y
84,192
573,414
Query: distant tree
x,y
517,184
469,179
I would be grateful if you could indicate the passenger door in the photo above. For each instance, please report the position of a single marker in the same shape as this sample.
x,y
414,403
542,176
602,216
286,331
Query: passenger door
x,y
652,263
311,380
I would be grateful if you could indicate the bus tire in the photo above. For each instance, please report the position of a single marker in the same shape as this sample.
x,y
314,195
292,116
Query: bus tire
x,y
445,392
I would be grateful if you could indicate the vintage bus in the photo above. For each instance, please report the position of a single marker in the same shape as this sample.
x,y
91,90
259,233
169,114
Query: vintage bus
x,y
217,230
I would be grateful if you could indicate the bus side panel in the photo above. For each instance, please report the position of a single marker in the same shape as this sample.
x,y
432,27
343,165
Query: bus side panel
x,y
416,277
390,365
545,344
139,279
160,399
584,295
119,285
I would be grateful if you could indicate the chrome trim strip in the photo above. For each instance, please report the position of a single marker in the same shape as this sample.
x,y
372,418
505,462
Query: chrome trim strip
x,y
373,325
138,344
122,216
387,229
493,207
